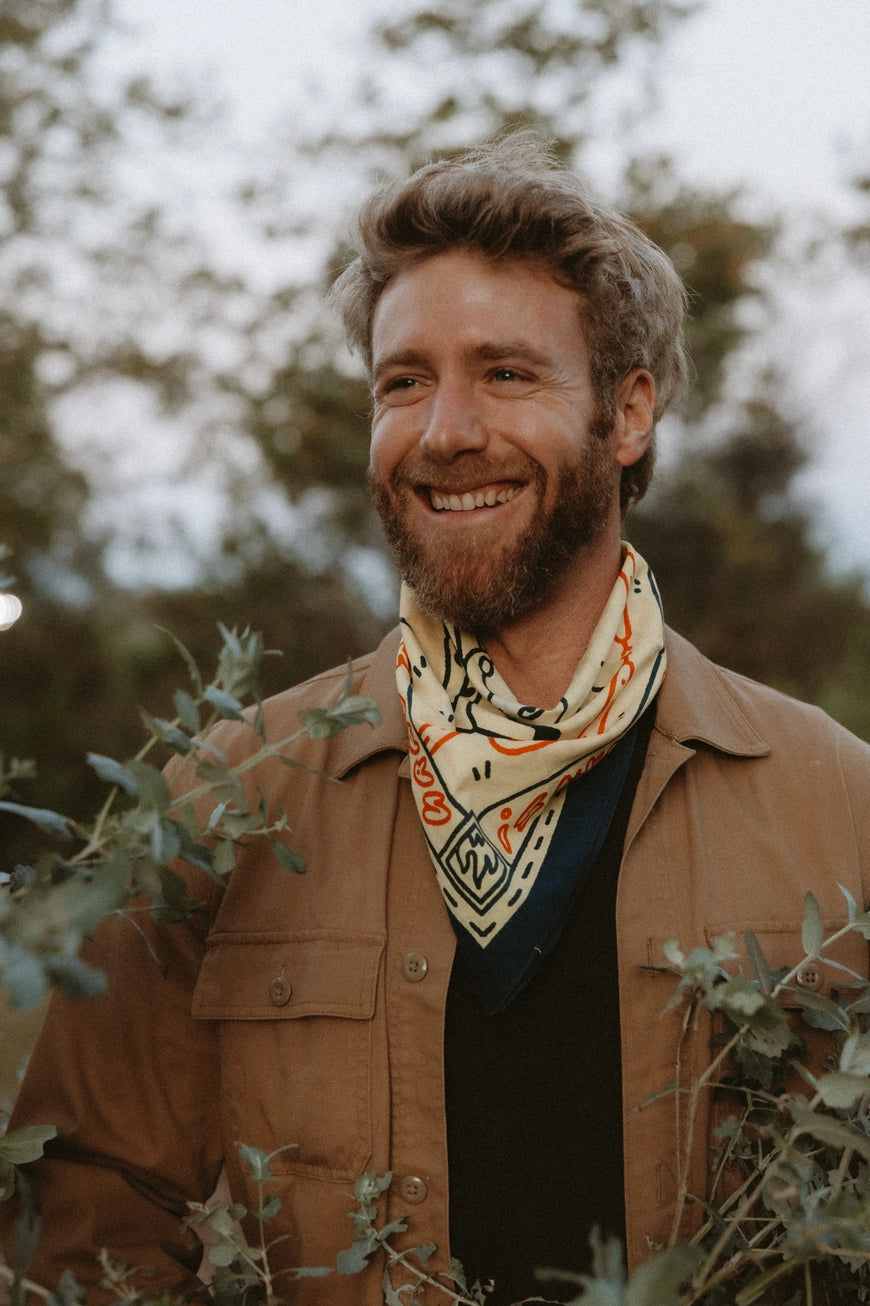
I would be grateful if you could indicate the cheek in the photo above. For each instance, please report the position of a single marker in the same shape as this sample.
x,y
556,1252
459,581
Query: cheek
x,y
390,441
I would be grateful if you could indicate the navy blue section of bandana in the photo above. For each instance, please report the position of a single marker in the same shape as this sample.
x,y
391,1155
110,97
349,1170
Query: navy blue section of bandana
x,y
502,970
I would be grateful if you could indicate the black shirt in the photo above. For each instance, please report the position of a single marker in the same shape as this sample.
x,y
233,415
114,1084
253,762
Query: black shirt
x,y
534,1099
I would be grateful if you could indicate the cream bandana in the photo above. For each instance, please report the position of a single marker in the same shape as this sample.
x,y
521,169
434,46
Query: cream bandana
x,y
489,773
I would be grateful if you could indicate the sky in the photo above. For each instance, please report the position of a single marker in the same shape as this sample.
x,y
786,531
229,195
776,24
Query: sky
x,y
769,95
771,92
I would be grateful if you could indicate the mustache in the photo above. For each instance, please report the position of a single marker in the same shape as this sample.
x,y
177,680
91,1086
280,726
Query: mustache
x,y
471,472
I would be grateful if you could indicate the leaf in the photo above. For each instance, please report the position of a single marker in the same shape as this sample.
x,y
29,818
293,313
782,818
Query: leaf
x,y
231,640
833,1133
153,787
114,773
660,1278
855,1054
269,1209
174,738
26,1144
319,724
256,1161
221,1219
227,705
193,669
222,1254
288,858
48,822
861,1005
424,1254
861,923
24,978
758,962
175,902
188,712
671,949
850,901
74,978
354,1259
820,1012
223,785
224,858
840,1090
812,931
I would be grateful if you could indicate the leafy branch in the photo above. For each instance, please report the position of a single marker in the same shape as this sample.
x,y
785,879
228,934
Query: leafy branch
x,y
143,830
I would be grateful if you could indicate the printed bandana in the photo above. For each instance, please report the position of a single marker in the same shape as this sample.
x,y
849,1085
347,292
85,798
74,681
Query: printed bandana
x,y
490,773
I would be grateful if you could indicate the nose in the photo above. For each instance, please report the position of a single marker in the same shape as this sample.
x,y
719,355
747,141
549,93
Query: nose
x,y
454,424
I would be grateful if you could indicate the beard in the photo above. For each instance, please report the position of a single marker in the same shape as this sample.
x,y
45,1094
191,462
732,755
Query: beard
x,y
484,587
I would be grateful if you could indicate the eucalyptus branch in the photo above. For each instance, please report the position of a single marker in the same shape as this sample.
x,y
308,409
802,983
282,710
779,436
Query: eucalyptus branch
x,y
14,1281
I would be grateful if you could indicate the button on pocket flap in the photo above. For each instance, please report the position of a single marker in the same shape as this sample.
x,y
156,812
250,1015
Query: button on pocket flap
x,y
285,976
841,965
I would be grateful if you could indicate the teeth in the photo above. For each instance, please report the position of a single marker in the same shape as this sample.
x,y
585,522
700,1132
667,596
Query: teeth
x,y
468,501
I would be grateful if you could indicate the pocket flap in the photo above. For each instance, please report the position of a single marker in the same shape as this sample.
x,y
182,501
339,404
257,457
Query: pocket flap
x,y
283,976
841,965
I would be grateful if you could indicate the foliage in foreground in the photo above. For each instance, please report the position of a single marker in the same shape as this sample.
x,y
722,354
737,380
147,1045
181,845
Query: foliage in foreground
x,y
793,1229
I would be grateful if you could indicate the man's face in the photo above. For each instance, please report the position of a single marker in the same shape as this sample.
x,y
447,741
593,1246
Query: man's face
x,y
485,468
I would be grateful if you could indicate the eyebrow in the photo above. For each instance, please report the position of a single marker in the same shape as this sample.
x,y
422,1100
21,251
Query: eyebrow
x,y
487,352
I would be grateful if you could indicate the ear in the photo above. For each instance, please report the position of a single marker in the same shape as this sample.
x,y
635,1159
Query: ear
x,y
635,415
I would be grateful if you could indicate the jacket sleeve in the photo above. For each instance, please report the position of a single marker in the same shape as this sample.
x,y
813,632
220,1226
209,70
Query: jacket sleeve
x,y
130,1080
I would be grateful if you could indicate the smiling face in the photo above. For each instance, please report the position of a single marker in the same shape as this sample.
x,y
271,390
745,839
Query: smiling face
x,y
488,468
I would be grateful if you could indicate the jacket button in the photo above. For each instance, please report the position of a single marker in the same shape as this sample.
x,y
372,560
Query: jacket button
x,y
414,967
279,991
413,1190
810,976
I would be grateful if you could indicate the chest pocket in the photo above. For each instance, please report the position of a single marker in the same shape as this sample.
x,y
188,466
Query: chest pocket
x,y
295,1014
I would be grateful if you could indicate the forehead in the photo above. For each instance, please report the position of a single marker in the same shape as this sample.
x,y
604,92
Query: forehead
x,y
464,293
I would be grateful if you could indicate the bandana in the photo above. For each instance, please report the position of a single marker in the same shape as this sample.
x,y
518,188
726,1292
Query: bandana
x,y
490,774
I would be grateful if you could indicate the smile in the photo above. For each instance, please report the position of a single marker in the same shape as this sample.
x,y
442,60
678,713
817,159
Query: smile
x,y
472,499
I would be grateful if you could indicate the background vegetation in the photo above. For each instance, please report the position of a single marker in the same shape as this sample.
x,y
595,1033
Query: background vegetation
x,y
117,315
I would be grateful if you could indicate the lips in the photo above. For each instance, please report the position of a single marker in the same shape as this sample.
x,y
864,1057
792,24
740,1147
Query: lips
x,y
469,500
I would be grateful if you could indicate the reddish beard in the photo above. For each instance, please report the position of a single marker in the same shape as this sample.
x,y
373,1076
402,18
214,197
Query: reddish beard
x,y
483,590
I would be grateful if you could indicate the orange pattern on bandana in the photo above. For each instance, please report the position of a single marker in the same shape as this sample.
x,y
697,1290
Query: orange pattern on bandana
x,y
488,772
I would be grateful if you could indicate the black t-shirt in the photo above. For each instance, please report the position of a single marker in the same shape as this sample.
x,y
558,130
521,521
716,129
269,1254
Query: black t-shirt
x,y
534,1100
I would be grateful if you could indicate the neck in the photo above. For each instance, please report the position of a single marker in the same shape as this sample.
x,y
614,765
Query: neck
x,y
538,655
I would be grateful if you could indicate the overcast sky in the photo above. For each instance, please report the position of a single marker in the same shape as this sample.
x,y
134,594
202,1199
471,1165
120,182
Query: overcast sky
x,y
770,91
770,94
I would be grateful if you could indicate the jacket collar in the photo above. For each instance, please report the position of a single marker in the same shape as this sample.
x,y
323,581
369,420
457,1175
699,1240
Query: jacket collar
x,y
376,679
698,702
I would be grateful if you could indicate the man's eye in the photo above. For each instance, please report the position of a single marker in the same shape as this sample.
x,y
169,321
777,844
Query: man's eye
x,y
399,383
505,374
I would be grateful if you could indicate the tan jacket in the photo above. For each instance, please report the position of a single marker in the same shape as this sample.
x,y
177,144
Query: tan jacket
x,y
318,1000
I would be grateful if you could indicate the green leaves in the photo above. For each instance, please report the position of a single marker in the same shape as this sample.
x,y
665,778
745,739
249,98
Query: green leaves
x,y
257,1163
114,773
19,1147
322,722
26,1144
144,835
813,931
348,710
47,821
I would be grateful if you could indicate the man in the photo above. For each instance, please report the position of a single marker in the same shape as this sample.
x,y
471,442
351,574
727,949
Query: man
x,y
467,987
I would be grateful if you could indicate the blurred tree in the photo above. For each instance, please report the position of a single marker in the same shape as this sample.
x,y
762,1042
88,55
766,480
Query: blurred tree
x,y
41,497
740,574
724,528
